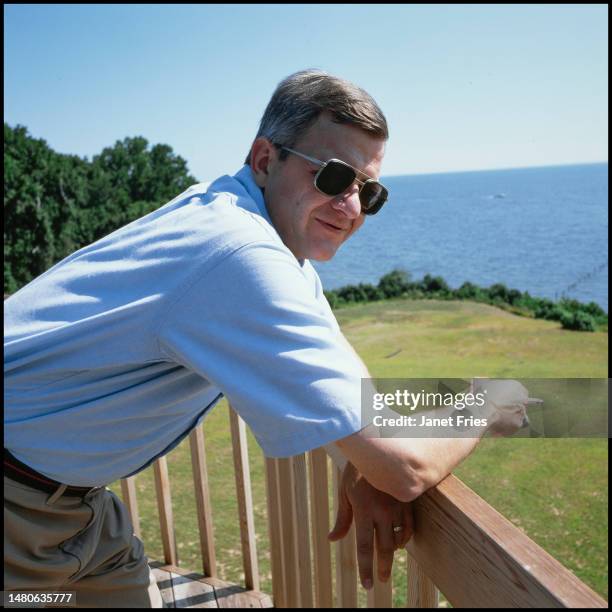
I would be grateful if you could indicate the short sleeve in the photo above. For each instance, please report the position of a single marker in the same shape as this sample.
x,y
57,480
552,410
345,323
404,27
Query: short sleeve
x,y
254,327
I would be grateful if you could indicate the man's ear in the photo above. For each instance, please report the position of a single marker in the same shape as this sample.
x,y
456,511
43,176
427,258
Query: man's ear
x,y
263,156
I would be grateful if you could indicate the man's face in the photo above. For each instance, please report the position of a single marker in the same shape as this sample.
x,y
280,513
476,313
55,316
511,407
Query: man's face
x,y
313,225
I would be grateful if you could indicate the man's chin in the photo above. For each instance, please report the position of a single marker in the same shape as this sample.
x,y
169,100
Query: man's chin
x,y
322,254
321,257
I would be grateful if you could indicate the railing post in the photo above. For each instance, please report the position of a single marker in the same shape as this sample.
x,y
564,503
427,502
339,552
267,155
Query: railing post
x,y
319,497
274,523
203,505
164,505
302,522
346,558
128,492
422,592
245,500
288,528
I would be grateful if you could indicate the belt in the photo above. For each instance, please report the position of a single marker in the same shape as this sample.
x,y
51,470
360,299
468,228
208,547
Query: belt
x,y
20,472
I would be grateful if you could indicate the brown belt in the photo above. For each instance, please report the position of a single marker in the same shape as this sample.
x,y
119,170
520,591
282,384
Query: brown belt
x,y
20,472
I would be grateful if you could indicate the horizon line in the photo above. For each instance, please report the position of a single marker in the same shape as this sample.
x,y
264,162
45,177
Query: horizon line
x,y
562,165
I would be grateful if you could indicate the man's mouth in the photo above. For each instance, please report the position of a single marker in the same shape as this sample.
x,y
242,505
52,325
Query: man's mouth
x,y
331,226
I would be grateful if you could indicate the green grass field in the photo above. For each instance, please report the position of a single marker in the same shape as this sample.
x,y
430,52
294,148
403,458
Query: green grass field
x,y
555,490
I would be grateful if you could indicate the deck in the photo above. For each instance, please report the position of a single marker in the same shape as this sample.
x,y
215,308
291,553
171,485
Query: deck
x,y
181,588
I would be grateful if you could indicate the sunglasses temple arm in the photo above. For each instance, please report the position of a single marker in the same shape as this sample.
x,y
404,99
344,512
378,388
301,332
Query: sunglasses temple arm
x,y
310,159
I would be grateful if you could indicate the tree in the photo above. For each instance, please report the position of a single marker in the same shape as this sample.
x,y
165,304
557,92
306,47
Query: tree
x,y
28,235
55,204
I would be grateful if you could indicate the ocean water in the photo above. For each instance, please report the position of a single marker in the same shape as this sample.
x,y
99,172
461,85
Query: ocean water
x,y
544,230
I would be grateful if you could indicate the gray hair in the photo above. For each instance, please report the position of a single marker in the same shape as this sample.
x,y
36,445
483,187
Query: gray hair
x,y
299,99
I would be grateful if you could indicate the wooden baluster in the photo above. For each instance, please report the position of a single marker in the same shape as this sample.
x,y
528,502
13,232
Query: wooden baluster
x,y
164,505
245,501
422,592
128,492
288,532
274,522
203,505
346,558
302,523
320,528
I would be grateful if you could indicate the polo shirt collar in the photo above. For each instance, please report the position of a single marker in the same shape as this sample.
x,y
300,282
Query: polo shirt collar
x,y
245,177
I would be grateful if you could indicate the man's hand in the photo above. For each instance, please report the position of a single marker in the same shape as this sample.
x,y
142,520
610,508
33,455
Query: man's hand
x,y
506,404
377,513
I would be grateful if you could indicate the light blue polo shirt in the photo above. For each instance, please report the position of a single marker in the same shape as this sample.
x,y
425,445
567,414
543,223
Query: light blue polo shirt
x,y
113,355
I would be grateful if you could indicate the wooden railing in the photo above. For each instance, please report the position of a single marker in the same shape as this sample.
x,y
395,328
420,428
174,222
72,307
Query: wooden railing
x,y
462,547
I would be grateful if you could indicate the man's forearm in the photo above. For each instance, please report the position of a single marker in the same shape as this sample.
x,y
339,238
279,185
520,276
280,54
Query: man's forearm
x,y
438,455
402,464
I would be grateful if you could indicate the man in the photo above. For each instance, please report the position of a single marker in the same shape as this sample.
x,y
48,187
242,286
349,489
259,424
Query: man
x,y
117,352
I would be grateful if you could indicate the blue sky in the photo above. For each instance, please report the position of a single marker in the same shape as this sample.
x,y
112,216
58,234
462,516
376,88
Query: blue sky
x,y
464,87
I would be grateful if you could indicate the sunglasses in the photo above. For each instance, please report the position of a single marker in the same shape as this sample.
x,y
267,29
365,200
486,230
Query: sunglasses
x,y
335,176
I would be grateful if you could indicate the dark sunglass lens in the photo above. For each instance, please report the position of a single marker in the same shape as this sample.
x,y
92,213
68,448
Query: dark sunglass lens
x,y
335,178
372,195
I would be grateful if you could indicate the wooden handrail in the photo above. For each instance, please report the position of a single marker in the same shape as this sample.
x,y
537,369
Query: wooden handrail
x,y
477,558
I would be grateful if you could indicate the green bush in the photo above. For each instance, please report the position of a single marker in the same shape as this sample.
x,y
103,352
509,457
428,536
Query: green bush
x,y
435,285
577,321
498,293
466,291
514,296
333,299
550,311
394,284
595,310
470,291
372,293
571,313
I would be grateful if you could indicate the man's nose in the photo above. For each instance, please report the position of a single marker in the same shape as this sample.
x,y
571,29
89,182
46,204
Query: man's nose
x,y
349,202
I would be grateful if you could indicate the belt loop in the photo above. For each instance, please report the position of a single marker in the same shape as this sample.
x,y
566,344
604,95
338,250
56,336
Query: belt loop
x,y
53,498
92,492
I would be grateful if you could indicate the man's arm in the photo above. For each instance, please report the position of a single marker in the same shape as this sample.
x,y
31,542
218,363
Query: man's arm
x,y
405,468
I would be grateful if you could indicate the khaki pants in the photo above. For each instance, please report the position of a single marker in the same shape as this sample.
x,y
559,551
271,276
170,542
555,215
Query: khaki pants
x,y
72,544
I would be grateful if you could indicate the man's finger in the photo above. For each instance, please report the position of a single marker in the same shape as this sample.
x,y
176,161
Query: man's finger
x,y
398,527
344,518
408,524
385,547
364,529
